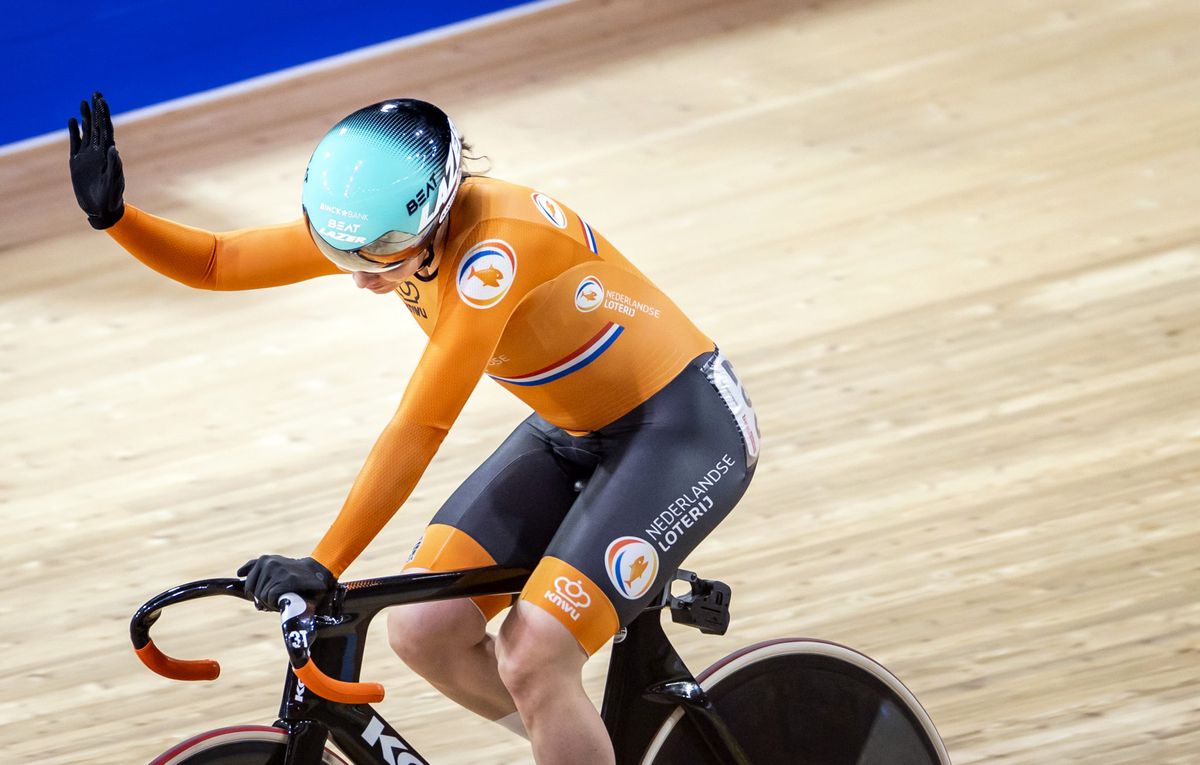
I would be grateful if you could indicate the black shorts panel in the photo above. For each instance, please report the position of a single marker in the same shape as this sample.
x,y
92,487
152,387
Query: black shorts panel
x,y
653,484
513,503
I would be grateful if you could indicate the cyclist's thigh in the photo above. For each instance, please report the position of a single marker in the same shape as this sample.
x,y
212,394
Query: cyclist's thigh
x,y
670,471
506,512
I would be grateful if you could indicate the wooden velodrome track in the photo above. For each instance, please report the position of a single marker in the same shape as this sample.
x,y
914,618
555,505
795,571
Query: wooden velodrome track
x,y
953,249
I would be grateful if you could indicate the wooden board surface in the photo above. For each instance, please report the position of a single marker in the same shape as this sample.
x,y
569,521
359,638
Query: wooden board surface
x,y
953,249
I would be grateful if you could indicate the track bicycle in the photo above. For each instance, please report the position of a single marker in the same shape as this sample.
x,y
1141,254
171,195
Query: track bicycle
x,y
779,702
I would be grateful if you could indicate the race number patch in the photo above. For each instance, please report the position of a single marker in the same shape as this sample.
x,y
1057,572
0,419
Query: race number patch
x,y
724,379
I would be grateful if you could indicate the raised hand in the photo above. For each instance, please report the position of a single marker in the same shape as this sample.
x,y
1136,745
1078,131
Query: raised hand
x,y
96,170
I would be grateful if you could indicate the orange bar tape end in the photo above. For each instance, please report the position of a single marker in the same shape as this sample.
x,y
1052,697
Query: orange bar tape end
x,y
338,690
177,669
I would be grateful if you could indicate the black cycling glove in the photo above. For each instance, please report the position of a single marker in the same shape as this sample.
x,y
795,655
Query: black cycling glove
x,y
270,576
96,170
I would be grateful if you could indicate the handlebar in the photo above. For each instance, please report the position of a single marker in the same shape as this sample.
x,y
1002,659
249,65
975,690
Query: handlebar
x,y
298,622
147,615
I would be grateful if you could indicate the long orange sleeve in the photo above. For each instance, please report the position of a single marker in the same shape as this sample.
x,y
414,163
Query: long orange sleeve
x,y
235,260
458,352
444,379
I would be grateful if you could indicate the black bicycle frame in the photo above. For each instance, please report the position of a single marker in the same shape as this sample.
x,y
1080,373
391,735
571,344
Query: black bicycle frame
x,y
646,680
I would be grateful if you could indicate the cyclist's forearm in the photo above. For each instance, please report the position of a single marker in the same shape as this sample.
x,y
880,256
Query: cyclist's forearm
x,y
450,368
180,252
389,475
237,260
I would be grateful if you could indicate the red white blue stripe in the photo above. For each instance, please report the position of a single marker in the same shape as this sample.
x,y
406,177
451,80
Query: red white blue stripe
x,y
573,362
591,237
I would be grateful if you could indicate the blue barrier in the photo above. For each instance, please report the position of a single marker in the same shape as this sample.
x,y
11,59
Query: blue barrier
x,y
144,52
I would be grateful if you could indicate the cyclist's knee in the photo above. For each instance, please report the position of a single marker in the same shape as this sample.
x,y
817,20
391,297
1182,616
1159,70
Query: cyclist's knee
x,y
535,654
424,634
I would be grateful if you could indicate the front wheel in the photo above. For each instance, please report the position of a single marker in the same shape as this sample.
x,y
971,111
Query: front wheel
x,y
796,700
239,745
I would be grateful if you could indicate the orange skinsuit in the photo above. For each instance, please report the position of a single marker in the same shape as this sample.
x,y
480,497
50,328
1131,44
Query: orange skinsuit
x,y
514,296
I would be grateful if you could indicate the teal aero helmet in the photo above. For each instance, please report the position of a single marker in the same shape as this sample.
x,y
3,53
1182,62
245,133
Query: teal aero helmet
x,y
379,183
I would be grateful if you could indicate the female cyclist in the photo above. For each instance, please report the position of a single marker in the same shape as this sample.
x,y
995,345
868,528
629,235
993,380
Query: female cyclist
x,y
641,439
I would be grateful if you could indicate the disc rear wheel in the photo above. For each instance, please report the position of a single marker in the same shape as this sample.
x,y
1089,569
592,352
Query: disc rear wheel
x,y
804,701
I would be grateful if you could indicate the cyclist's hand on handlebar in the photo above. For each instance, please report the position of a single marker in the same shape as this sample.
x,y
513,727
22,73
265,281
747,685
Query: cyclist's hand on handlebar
x,y
270,576
96,170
